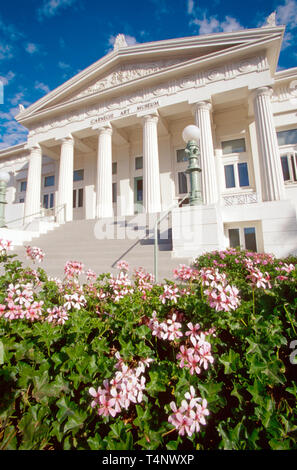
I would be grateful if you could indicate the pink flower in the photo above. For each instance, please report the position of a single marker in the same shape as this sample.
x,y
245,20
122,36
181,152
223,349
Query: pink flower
x,y
34,253
188,417
122,265
73,268
91,275
5,245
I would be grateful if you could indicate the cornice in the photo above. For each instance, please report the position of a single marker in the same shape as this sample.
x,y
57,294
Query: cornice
x,y
256,37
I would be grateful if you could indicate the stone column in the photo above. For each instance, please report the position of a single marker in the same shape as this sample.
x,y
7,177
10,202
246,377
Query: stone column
x,y
151,172
210,193
104,173
65,187
273,188
32,202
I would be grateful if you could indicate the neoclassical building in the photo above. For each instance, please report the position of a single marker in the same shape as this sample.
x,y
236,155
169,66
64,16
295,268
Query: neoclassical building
x,y
108,142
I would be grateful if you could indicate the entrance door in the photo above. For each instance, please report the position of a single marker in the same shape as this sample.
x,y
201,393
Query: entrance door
x,y
48,201
78,203
138,194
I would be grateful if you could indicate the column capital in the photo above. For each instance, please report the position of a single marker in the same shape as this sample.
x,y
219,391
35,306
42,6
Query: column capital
x,y
152,117
262,91
201,105
68,139
33,147
104,129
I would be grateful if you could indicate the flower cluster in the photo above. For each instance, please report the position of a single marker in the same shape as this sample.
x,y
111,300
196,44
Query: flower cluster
x,y
169,329
170,292
287,268
57,315
34,253
199,353
256,277
122,265
73,269
75,300
120,286
185,273
144,281
190,415
221,296
20,303
5,245
125,388
91,275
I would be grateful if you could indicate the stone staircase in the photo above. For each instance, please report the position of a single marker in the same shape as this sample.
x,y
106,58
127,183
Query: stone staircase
x,y
99,245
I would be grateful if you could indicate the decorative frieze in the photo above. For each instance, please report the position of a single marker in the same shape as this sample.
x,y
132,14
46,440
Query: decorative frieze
x,y
240,199
144,96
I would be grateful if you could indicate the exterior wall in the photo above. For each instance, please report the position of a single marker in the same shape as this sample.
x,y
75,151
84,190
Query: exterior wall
x,y
226,87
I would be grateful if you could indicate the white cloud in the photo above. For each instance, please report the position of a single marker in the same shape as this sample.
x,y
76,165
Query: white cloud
x,y
11,133
286,14
6,51
41,86
190,6
31,48
51,8
5,79
63,65
211,24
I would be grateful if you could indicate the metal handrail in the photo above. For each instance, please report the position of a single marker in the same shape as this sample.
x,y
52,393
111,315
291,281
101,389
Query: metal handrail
x,y
41,212
156,234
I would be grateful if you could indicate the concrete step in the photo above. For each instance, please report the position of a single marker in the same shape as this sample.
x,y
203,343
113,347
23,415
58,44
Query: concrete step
x,y
76,241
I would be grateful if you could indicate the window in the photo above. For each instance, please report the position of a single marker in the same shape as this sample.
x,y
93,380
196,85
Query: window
x,y
289,166
234,239
243,237
243,174
236,175
229,176
138,163
181,156
78,175
23,186
49,181
114,168
48,201
114,192
182,183
287,137
78,198
250,238
22,199
233,146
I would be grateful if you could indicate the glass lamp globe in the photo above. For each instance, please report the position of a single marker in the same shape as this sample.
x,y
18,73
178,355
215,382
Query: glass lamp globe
x,y
191,133
4,176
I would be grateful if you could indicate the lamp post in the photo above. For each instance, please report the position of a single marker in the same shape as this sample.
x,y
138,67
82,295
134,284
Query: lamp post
x,y
191,136
4,178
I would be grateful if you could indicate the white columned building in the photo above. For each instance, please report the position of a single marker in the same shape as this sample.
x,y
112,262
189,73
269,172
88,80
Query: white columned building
x,y
108,143
151,172
65,188
210,194
273,188
104,173
32,206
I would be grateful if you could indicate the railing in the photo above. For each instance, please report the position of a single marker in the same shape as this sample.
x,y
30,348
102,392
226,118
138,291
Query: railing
x,y
42,213
156,233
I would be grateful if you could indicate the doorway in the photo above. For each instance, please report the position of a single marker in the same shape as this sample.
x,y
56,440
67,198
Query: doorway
x,y
138,194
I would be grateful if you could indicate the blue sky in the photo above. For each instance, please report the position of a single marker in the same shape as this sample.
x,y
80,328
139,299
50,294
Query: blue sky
x,y
43,43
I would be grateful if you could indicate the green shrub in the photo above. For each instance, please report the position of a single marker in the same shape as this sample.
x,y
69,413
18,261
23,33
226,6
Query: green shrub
x,y
123,363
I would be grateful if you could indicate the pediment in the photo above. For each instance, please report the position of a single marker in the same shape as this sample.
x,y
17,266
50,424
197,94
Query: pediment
x,y
131,66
